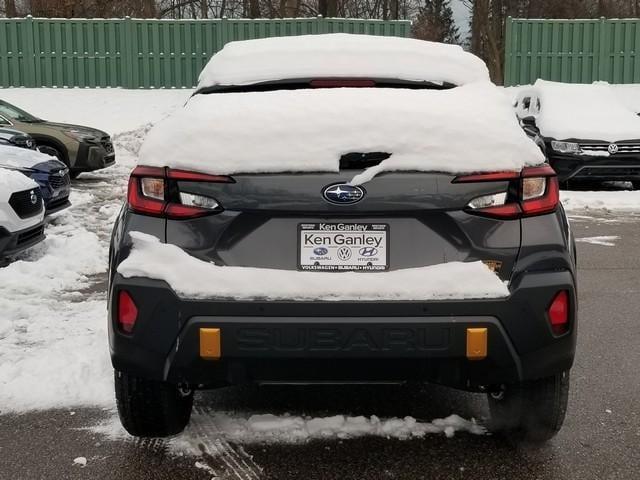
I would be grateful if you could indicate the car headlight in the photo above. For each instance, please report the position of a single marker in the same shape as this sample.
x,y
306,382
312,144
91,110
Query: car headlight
x,y
565,147
80,136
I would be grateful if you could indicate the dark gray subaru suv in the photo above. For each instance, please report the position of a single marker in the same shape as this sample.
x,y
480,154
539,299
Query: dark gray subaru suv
x,y
176,325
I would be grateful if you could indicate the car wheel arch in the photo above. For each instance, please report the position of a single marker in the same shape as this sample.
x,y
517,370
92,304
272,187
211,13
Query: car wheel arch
x,y
44,140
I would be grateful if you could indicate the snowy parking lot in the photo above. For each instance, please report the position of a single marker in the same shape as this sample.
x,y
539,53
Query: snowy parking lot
x,y
54,352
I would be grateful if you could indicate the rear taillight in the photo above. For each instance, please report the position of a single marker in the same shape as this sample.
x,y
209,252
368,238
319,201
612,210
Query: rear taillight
x,y
534,191
127,312
154,191
558,313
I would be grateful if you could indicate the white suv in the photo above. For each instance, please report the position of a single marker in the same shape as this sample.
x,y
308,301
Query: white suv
x,y
21,213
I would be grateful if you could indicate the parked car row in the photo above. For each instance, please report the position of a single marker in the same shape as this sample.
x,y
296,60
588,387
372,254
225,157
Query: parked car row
x,y
37,161
586,133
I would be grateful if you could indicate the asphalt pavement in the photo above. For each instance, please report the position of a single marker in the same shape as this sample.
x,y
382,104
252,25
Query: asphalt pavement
x,y
600,439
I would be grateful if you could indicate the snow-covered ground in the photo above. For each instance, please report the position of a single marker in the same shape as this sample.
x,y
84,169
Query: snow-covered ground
x,y
53,346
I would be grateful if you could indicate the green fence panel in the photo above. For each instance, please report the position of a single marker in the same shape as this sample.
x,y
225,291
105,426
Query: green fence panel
x,y
134,53
577,51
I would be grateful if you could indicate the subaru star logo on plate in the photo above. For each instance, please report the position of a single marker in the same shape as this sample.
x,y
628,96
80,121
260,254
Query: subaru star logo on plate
x,y
343,194
320,251
613,149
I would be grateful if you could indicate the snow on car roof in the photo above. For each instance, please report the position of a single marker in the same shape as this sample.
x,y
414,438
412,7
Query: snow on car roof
x,y
341,55
461,130
584,111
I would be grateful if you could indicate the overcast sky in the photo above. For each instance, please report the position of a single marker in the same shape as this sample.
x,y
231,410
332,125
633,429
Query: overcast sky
x,y
461,15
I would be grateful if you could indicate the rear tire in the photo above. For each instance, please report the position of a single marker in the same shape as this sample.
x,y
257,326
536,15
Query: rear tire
x,y
149,408
531,411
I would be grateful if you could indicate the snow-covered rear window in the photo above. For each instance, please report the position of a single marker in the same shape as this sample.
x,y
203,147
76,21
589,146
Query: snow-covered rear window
x,y
338,56
585,112
461,130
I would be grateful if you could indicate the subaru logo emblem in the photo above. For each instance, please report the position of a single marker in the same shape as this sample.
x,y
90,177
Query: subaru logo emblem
x,y
368,251
33,197
613,149
320,251
30,144
343,194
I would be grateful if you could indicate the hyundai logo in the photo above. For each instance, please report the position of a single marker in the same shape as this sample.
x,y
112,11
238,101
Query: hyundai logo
x,y
368,251
343,194
320,251
613,149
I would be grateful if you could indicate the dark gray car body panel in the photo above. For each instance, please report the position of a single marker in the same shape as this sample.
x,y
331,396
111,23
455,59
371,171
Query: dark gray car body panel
x,y
428,226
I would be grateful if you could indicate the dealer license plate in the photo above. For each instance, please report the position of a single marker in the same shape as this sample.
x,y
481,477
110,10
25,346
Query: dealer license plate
x,y
343,246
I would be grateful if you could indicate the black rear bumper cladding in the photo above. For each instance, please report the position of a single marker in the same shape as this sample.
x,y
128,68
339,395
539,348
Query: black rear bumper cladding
x,y
344,341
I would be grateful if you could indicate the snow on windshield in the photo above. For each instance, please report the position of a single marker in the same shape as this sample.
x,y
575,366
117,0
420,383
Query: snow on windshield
x,y
341,55
193,278
584,111
465,129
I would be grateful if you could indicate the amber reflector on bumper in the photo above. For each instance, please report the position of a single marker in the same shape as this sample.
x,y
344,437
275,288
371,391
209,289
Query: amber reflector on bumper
x,y
210,343
476,343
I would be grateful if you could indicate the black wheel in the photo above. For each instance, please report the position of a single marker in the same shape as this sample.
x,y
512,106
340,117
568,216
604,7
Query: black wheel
x,y
74,175
636,184
150,408
531,411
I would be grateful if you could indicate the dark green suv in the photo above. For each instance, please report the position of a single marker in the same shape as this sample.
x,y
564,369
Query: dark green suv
x,y
83,149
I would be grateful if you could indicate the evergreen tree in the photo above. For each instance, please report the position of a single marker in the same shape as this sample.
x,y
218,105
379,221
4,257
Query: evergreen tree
x,y
435,22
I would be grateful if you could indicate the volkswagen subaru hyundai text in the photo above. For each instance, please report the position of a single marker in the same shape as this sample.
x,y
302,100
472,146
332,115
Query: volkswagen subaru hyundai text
x,y
347,209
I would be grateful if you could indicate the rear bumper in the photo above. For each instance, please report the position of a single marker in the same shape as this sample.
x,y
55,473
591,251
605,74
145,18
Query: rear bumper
x,y
12,243
581,167
344,341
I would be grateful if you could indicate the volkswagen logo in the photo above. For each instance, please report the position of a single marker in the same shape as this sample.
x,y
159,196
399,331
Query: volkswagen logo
x,y
33,197
344,253
613,149
343,194
368,251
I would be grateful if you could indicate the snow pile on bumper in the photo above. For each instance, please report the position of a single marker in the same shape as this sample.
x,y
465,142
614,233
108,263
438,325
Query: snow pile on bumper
x,y
193,278
461,130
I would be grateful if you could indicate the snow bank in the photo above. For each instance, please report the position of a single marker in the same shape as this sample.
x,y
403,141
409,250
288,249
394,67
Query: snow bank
x,y
583,111
269,428
193,278
53,348
621,201
466,129
110,109
341,55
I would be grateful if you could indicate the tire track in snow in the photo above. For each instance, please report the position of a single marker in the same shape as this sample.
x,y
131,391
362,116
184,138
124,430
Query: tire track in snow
x,y
215,448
